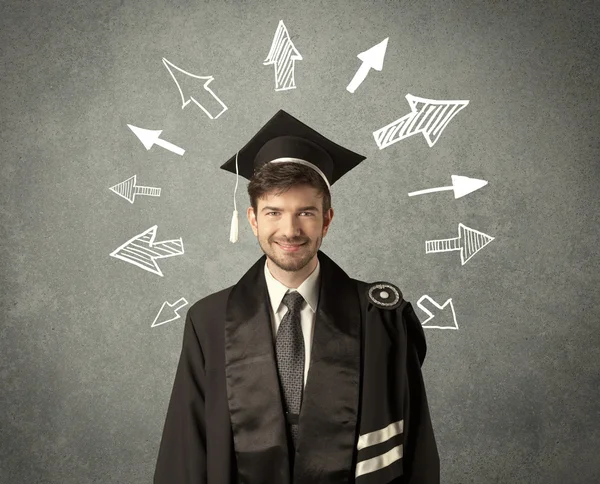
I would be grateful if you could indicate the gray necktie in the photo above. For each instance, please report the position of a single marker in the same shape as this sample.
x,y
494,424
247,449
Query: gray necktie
x,y
289,347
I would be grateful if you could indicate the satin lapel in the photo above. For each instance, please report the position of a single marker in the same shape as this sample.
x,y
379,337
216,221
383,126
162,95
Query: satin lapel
x,y
328,415
253,392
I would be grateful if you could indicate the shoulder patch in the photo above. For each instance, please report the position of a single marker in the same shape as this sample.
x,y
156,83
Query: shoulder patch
x,y
384,295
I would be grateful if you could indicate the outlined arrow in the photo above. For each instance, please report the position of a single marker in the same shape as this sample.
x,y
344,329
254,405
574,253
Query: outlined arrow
x,y
128,189
150,137
142,251
371,59
461,185
165,314
284,55
469,242
208,101
427,116
446,308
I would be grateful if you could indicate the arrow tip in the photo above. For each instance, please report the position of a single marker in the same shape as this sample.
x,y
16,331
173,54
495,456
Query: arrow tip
x,y
464,185
374,56
147,136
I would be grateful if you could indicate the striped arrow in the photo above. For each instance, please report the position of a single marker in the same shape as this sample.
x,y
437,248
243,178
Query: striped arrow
x,y
468,242
427,116
128,189
142,251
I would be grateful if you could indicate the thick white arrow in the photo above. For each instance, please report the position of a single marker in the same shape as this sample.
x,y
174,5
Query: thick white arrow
x,y
150,137
462,185
371,59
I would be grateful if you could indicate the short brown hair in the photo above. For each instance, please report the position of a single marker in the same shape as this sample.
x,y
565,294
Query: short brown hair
x,y
280,177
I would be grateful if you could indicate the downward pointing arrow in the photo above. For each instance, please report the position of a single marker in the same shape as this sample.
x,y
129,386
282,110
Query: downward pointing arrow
x,y
150,137
372,59
461,185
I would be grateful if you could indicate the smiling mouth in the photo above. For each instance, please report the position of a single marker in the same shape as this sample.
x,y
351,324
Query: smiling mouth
x,y
292,246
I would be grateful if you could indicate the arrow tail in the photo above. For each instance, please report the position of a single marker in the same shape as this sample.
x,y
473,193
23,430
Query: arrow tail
x,y
170,146
429,190
442,245
149,191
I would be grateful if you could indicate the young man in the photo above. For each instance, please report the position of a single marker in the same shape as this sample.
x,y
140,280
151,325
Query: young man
x,y
298,373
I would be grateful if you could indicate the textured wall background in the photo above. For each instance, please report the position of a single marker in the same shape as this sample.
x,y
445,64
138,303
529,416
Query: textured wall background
x,y
85,378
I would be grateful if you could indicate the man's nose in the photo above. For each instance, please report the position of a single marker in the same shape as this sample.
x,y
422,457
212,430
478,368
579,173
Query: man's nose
x,y
290,226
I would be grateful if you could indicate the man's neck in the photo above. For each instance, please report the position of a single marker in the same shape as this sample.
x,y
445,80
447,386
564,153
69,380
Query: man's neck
x,y
292,279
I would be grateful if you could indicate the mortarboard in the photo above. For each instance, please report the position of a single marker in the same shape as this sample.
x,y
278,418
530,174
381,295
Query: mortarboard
x,y
286,139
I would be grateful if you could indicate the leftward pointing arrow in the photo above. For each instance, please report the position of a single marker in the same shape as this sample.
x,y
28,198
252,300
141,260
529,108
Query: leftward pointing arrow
x,y
142,251
150,137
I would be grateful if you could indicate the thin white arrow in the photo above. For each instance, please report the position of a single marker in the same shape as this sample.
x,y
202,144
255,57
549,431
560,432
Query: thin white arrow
x,y
440,309
169,309
211,100
371,59
461,185
150,137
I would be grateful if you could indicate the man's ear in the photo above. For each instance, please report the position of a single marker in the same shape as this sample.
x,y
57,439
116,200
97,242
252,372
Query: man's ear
x,y
327,217
252,219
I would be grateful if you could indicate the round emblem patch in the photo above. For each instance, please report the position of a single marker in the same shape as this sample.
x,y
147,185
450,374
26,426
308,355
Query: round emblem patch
x,y
384,295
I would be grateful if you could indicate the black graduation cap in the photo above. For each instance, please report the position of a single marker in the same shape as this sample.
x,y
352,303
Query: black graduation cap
x,y
286,139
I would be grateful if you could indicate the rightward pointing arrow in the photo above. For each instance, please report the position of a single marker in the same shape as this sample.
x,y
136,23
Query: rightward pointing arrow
x,y
371,59
169,312
284,55
142,251
444,310
469,242
428,116
150,137
128,189
208,101
461,185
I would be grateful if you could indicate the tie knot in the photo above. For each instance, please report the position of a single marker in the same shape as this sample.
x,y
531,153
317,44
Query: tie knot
x,y
293,300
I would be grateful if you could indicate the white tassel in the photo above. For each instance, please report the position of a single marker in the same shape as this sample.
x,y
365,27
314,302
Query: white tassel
x,y
233,233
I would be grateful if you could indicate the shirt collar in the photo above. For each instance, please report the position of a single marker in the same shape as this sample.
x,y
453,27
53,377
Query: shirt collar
x,y
309,288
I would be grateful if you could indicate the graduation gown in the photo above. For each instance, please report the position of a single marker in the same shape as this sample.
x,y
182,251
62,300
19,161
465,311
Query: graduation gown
x,y
364,417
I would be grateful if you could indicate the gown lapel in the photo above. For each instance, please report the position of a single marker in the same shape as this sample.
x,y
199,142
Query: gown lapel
x,y
328,415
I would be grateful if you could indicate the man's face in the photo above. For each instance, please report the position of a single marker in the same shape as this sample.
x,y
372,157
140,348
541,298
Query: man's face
x,y
294,218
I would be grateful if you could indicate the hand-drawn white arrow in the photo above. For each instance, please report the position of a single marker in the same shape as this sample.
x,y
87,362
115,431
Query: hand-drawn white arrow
x,y
438,309
469,242
165,314
128,189
371,59
142,251
283,54
216,105
461,185
427,116
150,137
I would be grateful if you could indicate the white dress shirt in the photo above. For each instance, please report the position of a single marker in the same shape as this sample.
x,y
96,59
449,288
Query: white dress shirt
x,y
310,292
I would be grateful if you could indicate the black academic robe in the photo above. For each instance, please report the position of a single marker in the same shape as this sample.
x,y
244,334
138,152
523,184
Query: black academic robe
x,y
364,417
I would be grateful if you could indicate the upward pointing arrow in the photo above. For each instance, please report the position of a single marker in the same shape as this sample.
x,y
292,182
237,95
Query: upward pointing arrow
x,y
284,55
372,59
150,137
